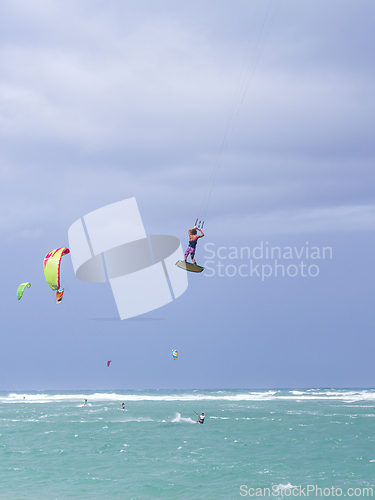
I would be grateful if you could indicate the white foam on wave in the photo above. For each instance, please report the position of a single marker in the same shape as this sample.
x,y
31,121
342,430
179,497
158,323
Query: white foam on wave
x,y
282,487
182,420
42,398
136,419
351,396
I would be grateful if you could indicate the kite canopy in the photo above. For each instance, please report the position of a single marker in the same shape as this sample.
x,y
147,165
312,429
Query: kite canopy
x,y
52,266
21,289
174,353
108,363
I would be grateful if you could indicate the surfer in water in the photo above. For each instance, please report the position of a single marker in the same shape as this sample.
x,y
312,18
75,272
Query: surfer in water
x,y
123,406
201,419
193,240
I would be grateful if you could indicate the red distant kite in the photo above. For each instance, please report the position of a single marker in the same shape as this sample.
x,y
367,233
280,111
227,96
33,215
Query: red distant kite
x,y
109,362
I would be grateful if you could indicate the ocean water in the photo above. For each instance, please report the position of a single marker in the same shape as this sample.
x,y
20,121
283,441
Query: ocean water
x,y
279,443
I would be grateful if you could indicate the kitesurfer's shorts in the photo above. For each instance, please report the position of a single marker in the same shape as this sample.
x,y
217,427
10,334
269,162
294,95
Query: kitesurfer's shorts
x,y
191,251
201,421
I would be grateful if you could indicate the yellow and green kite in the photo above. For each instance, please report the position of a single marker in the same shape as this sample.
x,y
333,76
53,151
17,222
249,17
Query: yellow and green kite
x,y
21,289
52,263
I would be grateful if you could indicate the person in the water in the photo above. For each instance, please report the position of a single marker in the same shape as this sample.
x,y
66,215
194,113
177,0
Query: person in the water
x,y
84,404
123,406
193,240
201,419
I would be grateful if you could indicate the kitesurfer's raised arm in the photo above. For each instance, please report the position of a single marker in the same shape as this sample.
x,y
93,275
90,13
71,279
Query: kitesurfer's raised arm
x,y
193,233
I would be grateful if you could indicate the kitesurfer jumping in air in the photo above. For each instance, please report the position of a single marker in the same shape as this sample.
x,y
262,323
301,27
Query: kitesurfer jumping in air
x,y
193,240
201,419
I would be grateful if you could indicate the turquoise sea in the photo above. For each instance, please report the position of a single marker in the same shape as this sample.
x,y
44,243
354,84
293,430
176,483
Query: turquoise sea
x,y
277,443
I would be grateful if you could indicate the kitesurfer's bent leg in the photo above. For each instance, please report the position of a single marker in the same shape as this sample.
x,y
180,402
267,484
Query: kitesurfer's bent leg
x,y
190,250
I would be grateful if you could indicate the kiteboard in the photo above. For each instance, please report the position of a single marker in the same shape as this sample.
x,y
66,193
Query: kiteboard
x,y
193,268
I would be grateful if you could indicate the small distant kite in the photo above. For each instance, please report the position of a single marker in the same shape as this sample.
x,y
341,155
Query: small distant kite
x,y
174,354
109,362
21,289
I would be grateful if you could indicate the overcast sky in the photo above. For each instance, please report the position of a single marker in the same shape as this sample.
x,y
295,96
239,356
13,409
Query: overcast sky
x,y
103,101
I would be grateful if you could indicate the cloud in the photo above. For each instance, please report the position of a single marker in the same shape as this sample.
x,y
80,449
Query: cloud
x,y
99,103
301,221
